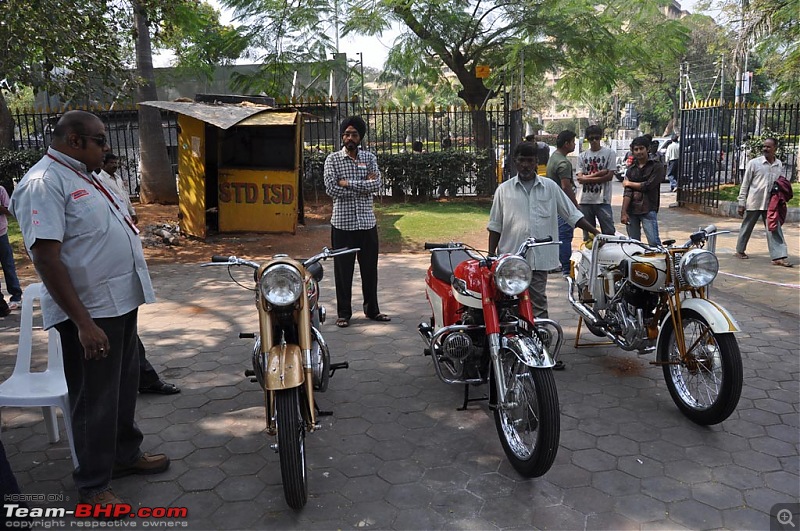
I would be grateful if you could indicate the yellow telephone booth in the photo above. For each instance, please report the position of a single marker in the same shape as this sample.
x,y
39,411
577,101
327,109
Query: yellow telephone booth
x,y
239,167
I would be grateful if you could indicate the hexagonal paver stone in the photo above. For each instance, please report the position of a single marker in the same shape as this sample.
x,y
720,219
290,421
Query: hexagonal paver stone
x,y
489,485
462,503
609,520
695,515
717,495
409,496
358,465
201,479
587,500
641,508
615,483
239,488
378,514
365,488
665,489
399,472
617,445
594,460
418,518
199,504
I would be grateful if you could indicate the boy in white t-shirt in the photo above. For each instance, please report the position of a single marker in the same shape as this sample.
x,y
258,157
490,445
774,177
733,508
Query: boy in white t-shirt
x,y
595,170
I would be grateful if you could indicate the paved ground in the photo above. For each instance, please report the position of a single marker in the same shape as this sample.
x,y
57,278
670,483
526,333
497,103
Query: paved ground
x,y
397,455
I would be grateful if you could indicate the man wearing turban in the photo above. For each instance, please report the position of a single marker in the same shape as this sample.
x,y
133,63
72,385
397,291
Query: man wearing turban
x,y
351,178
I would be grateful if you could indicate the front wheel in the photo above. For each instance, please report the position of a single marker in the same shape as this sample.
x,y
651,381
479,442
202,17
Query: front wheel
x,y
527,418
291,447
706,386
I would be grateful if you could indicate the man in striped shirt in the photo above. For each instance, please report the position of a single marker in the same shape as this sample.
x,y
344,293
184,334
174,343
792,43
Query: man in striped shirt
x,y
351,178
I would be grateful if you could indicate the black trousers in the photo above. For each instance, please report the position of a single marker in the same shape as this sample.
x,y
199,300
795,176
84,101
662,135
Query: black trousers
x,y
344,266
102,396
147,374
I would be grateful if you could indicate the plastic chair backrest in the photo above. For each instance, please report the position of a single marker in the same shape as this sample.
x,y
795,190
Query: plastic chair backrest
x,y
54,356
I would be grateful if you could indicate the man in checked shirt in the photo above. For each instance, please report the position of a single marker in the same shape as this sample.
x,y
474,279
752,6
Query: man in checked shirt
x,y
351,178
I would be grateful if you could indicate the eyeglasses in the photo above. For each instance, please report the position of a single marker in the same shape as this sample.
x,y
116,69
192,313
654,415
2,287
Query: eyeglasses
x,y
100,140
592,138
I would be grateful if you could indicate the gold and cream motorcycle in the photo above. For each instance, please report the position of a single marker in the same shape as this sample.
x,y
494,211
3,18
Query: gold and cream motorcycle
x,y
290,359
655,298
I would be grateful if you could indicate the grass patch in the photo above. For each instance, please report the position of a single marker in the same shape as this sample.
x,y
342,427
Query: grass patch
x,y
730,192
412,224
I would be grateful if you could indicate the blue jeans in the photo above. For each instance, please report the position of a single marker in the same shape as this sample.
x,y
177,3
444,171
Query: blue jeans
x,y
9,270
565,232
598,214
648,222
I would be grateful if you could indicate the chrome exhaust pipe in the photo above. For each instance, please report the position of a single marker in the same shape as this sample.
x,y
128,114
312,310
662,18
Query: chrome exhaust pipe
x,y
589,317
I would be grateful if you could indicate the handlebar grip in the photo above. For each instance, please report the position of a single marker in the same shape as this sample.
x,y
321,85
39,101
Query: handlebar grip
x,y
218,258
544,240
429,245
711,228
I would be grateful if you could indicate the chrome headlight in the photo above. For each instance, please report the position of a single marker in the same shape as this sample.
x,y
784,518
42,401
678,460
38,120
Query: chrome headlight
x,y
281,285
698,267
512,275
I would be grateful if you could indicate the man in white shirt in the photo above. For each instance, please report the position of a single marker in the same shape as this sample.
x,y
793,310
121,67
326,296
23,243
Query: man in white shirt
x,y
760,175
673,154
109,178
526,206
595,170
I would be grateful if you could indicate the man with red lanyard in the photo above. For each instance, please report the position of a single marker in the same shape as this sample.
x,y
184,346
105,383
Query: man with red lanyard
x,y
88,253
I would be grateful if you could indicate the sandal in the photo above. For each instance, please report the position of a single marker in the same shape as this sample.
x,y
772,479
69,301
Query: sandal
x,y
782,262
160,388
341,322
741,255
381,317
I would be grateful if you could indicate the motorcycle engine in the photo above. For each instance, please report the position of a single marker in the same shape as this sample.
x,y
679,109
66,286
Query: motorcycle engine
x,y
460,351
639,298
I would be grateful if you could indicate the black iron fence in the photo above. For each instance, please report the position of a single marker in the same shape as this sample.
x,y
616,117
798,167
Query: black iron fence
x,y
717,141
447,156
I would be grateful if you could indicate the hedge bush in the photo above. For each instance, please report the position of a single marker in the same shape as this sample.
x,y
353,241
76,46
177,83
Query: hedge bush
x,y
14,164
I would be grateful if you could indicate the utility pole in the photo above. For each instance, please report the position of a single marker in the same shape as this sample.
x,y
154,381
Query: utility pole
x,y
361,60
722,79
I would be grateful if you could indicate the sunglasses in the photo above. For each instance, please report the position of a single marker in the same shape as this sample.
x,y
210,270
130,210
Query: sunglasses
x,y
592,138
100,140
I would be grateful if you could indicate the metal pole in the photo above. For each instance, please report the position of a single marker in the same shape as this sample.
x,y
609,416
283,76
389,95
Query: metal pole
x,y
722,80
361,60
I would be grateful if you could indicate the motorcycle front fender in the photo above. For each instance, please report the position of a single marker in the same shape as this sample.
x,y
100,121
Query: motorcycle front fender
x,y
530,351
718,318
284,368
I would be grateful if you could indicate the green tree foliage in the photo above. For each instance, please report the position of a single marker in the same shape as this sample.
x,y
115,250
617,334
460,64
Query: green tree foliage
x,y
66,47
773,27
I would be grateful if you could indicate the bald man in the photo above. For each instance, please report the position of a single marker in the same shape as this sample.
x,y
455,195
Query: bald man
x,y
88,253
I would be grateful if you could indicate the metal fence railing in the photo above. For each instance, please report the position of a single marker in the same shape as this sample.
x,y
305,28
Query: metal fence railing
x,y
717,141
391,131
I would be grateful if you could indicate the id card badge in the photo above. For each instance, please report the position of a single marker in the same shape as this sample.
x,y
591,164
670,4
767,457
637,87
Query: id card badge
x,y
362,166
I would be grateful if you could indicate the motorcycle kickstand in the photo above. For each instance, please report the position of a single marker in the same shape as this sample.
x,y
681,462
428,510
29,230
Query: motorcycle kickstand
x,y
336,366
467,399
320,412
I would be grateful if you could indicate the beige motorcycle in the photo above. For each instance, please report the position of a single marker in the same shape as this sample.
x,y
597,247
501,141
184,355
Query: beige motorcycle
x,y
290,360
655,298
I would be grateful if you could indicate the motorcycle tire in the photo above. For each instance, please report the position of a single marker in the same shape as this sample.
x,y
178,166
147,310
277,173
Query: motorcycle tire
x,y
291,447
530,431
707,388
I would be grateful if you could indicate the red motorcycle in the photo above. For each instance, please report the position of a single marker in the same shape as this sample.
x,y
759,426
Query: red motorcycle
x,y
483,331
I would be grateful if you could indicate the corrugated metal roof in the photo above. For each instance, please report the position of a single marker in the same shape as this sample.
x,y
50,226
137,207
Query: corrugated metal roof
x,y
227,115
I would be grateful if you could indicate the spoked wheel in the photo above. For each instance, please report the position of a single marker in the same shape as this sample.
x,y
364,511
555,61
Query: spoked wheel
x,y
291,447
707,386
528,420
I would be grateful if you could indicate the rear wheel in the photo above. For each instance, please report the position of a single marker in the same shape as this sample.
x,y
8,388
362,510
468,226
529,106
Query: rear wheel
x,y
707,386
291,447
527,418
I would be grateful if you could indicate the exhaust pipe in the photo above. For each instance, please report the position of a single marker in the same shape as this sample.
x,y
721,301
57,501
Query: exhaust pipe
x,y
589,317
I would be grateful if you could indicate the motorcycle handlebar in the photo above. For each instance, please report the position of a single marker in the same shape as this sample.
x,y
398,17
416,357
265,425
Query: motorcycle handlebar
x,y
327,253
429,245
218,258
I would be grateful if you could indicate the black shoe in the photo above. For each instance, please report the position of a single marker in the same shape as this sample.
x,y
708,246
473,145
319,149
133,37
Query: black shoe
x,y
160,388
4,309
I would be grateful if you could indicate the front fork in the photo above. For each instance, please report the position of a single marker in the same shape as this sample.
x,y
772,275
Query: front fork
x,y
499,373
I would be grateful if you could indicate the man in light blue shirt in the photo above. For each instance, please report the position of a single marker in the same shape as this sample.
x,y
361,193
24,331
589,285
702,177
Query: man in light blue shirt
x,y
528,206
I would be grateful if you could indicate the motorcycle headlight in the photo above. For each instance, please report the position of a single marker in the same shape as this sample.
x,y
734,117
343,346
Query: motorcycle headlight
x,y
281,285
512,275
698,267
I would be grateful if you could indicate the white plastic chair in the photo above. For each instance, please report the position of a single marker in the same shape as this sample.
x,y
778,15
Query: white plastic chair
x,y
47,389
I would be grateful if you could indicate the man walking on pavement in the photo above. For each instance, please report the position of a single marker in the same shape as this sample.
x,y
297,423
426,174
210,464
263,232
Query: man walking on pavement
x,y
559,170
760,175
673,153
7,260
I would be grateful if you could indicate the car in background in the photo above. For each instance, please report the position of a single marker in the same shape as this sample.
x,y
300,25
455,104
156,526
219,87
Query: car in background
x,y
701,157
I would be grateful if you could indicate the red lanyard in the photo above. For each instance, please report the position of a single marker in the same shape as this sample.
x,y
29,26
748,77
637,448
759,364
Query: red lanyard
x,y
100,188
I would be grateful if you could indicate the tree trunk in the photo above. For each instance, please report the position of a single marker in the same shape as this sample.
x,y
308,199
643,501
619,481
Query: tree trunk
x,y
475,95
157,184
6,124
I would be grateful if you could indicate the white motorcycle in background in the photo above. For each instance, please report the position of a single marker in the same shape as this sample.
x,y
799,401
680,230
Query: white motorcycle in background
x,y
648,298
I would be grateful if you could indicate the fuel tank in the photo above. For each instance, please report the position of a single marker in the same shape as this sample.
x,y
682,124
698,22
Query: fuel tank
x,y
645,269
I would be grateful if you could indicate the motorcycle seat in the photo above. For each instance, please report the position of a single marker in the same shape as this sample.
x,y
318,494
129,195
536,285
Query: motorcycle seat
x,y
443,263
